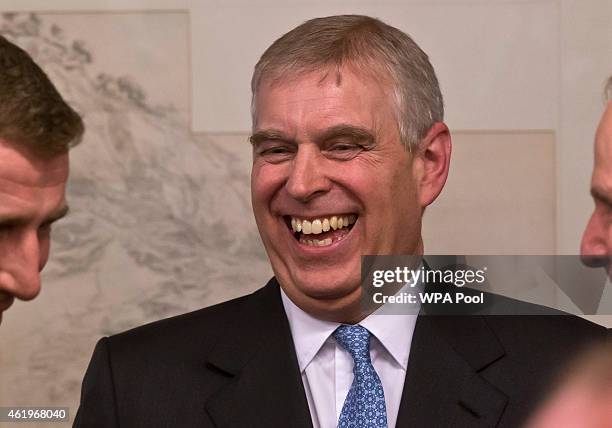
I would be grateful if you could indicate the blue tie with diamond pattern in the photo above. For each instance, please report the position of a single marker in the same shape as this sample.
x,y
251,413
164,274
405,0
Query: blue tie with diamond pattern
x,y
364,406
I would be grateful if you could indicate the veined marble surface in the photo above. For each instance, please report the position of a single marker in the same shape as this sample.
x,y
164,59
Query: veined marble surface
x,y
160,221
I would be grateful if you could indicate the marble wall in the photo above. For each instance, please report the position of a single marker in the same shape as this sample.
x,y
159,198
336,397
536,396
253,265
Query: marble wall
x,y
160,219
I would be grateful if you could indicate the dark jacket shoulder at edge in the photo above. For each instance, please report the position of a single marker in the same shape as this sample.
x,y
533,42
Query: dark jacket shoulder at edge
x,y
202,325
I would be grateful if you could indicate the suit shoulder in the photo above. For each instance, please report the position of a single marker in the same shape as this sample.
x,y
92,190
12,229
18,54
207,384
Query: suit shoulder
x,y
198,329
557,331
536,319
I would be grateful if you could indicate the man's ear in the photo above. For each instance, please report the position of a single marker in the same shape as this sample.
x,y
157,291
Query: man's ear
x,y
432,161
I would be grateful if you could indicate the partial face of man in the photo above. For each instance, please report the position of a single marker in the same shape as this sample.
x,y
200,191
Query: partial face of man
x,y
596,248
576,406
326,149
32,196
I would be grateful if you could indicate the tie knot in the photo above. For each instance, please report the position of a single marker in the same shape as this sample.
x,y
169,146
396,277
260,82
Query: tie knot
x,y
355,339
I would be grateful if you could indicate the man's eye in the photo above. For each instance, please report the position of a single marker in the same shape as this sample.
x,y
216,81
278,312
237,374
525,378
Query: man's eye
x,y
44,230
276,153
276,150
344,147
344,151
7,227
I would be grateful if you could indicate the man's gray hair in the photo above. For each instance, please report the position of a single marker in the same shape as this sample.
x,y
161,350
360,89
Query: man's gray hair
x,y
368,46
608,90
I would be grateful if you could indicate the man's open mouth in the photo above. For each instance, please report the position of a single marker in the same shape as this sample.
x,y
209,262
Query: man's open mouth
x,y
321,231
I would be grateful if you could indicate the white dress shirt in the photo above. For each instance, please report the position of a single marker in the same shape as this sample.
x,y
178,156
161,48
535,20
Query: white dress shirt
x,y
327,368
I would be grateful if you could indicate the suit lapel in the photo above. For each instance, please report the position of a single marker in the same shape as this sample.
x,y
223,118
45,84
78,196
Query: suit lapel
x,y
443,385
264,386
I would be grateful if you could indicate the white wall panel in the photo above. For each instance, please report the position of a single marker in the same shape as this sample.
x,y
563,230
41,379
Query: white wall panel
x,y
586,61
497,61
91,5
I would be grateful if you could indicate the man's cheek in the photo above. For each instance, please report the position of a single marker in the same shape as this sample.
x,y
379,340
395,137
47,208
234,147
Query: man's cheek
x,y
264,185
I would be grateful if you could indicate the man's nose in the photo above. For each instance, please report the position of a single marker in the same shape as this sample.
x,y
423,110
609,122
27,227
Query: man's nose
x,y
20,271
594,247
308,177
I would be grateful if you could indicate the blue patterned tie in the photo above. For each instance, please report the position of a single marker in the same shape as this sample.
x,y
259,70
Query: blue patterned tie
x,y
364,406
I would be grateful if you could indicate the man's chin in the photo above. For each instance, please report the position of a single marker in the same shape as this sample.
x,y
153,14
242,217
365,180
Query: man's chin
x,y
323,291
327,292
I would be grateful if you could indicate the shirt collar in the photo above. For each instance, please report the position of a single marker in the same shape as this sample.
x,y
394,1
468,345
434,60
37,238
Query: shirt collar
x,y
394,332
309,333
385,327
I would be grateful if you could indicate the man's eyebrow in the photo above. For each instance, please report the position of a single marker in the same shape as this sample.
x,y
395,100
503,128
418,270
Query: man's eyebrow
x,y
597,194
267,134
23,218
348,131
58,214
8,219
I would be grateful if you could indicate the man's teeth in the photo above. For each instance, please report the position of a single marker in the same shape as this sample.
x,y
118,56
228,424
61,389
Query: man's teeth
x,y
321,225
317,242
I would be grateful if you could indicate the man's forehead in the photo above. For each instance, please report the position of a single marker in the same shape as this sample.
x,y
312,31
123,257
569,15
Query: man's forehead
x,y
323,95
601,183
32,186
21,167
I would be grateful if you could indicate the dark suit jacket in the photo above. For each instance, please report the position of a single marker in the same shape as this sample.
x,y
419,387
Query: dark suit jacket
x,y
234,365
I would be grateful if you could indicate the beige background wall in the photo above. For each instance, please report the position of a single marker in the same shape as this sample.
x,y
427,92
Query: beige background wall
x,y
161,182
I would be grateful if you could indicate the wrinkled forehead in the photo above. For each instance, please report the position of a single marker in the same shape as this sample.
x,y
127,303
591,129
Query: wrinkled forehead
x,y
22,167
